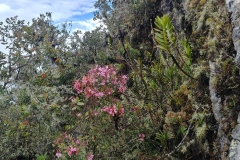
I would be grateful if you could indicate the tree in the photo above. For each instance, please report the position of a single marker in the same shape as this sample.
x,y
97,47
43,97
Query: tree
x,y
33,48
92,47
128,20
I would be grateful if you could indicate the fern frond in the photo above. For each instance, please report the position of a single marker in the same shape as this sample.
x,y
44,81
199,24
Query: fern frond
x,y
166,40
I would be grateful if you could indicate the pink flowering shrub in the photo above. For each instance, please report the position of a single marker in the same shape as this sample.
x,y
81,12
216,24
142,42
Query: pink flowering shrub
x,y
105,113
101,82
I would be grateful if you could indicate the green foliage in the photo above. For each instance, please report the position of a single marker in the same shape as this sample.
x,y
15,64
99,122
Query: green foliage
x,y
30,128
164,33
36,49
41,157
91,46
167,41
24,98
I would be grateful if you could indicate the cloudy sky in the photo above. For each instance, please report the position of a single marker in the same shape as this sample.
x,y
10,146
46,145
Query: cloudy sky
x,y
80,12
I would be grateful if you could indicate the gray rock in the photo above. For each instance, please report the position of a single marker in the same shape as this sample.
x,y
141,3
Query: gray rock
x,y
216,102
236,133
234,8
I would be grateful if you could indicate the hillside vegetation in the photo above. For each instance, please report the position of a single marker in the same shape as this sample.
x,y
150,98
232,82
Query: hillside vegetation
x,y
158,82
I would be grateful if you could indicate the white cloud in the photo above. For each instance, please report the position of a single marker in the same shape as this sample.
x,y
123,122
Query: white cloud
x,y
62,10
90,24
87,25
4,8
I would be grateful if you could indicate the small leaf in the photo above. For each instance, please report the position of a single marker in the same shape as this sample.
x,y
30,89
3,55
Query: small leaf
x,y
162,47
80,103
74,108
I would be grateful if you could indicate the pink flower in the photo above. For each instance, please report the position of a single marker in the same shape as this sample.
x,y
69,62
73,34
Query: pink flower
x,y
99,94
78,86
72,99
115,80
102,72
77,142
105,109
89,92
108,91
103,83
58,154
84,80
95,113
141,136
72,151
93,70
124,79
90,156
110,110
122,89
89,79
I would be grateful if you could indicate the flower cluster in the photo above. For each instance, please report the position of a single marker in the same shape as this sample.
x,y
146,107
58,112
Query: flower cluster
x,y
111,110
72,151
58,154
100,82
69,146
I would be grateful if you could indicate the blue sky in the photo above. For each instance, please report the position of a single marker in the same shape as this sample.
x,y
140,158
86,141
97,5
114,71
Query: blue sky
x,y
80,12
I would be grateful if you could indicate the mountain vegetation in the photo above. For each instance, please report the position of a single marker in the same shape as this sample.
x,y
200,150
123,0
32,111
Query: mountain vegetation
x,y
143,87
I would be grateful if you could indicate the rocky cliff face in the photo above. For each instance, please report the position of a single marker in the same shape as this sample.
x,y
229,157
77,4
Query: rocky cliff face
x,y
234,9
213,29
